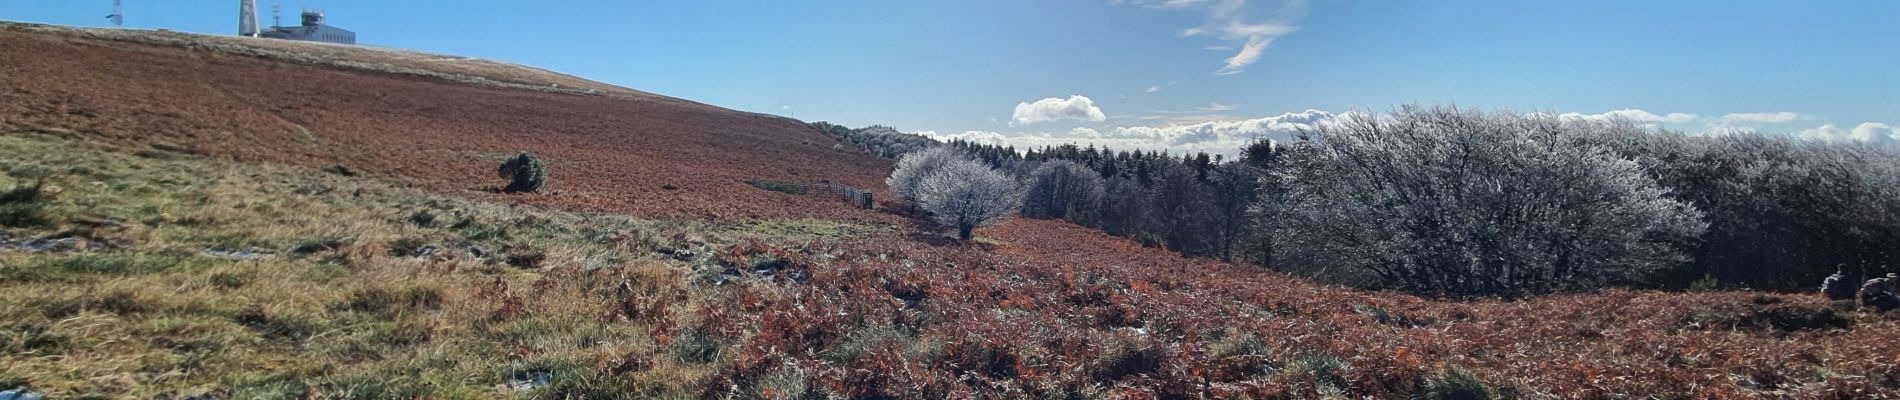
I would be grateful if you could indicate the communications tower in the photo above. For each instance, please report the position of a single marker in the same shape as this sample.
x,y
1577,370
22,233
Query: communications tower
x,y
247,18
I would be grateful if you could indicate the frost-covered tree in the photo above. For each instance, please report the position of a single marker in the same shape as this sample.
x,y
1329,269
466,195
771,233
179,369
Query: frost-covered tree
x,y
1445,201
1782,212
914,167
1063,189
968,194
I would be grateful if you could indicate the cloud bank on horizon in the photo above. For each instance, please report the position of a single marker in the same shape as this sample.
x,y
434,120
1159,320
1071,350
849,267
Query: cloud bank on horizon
x,y
1218,134
1214,137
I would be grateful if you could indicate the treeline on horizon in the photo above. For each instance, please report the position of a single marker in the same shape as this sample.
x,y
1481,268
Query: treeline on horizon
x,y
1442,201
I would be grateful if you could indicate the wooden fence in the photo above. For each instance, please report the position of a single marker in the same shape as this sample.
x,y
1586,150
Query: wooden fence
x,y
858,197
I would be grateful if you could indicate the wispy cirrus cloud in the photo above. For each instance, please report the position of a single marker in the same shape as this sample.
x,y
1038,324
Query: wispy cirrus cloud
x,y
1220,107
1227,21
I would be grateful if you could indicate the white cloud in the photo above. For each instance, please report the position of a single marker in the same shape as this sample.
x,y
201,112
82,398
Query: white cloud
x,y
1220,107
1247,55
1226,137
1231,133
1207,130
1761,117
1877,133
1631,114
984,137
1177,3
1869,132
1825,132
1226,22
1152,89
1084,132
1076,107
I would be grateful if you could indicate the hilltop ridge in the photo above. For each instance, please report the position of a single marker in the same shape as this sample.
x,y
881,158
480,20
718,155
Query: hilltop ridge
x,y
442,120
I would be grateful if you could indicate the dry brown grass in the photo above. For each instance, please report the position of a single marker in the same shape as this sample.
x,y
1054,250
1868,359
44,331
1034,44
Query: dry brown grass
x,y
327,307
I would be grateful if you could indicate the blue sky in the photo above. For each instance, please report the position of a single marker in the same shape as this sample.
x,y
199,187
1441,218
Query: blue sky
x,y
1178,74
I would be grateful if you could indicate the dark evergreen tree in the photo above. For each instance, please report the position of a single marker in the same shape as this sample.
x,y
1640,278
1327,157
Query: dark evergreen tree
x,y
524,172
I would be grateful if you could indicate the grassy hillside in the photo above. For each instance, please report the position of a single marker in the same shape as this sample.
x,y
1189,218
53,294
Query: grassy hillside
x,y
170,248
167,274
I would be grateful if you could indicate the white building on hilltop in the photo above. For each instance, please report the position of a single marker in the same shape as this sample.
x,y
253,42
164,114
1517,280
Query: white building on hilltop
x,y
312,28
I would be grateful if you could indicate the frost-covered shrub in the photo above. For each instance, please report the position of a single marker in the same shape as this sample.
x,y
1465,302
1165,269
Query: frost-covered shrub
x,y
914,167
1445,201
967,194
1783,213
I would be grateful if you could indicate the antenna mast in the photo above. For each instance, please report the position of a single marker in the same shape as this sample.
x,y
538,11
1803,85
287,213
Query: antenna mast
x,y
118,13
247,18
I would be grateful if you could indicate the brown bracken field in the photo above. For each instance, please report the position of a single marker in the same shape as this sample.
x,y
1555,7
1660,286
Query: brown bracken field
x,y
606,152
712,288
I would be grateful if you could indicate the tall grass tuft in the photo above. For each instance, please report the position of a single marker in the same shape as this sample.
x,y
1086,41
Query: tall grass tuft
x,y
1454,383
24,205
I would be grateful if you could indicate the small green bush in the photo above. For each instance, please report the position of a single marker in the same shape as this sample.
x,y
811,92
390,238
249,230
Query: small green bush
x,y
22,215
1455,384
524,172
23,205
1323,369
422,218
